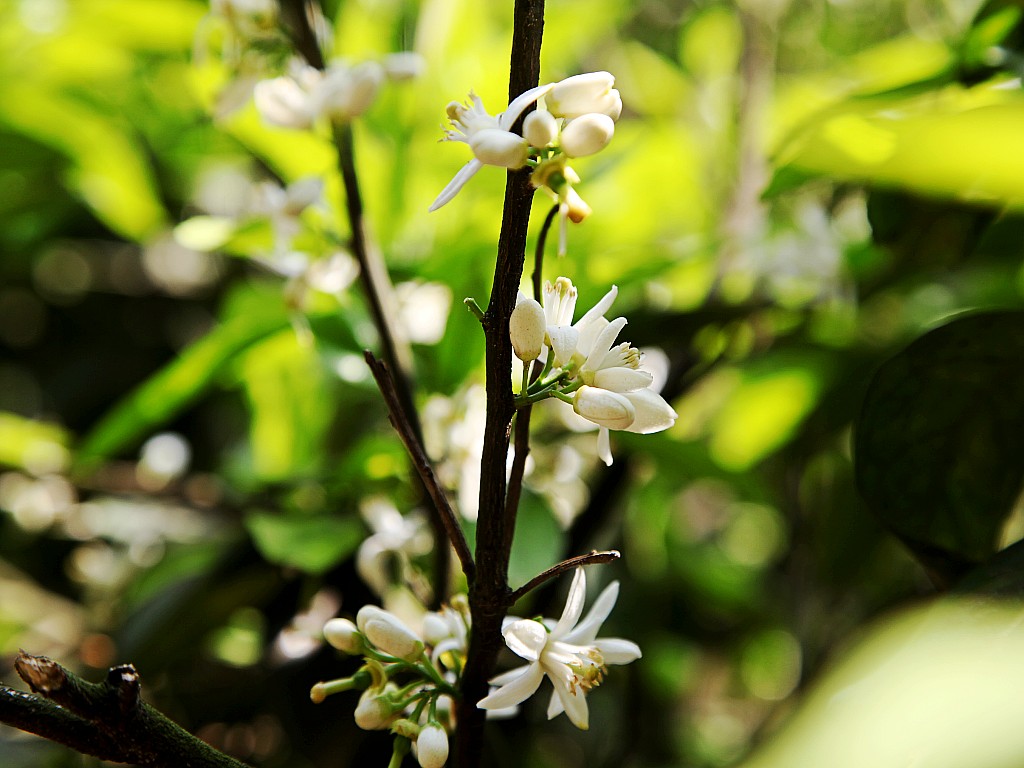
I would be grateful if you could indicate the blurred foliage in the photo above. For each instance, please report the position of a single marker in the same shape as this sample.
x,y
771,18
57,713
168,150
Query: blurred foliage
x,y
800,194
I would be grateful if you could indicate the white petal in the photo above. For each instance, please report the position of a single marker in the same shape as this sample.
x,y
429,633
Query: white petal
x,y
587,135
621,379
555,707
575,704
564,339
603,343
507,677
600,308
653,413
604,446
573,605
526,638
587,629
371,561
520,103
515,692
465,174
618,651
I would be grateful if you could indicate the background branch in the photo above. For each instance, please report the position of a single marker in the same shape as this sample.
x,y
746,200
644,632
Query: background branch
x,y
108,720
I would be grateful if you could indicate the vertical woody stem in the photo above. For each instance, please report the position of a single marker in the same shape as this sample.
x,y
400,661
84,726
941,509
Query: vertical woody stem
x,y
489,593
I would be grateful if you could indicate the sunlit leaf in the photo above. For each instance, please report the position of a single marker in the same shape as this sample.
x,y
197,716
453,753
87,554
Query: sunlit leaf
x,y
175,386
312,544
940,442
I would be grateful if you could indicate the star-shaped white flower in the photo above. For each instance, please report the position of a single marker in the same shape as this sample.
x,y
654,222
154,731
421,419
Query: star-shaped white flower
x,y
488,136
568,653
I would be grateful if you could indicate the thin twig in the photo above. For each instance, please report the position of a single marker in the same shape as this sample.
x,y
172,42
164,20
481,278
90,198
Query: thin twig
x,y
558,569
401,423
108,720
521,438
373,277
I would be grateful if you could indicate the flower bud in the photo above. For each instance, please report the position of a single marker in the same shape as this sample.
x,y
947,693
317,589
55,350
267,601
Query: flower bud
x,y
587,135
390,635
581,94
576,207
374,710
540,128
527,327
432,746
604,408
343,635
347,92
493,146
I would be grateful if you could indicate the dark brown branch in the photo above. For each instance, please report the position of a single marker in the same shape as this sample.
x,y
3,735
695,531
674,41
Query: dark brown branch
x,y
538,260
489,592
108,720
558,569
402,425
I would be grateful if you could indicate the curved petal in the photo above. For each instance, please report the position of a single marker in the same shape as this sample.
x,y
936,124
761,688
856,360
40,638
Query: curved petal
x,y
603,343
526,638
622,379
604,446
563,341
520,103
458,182
515,692
555,707
601,307
615,650
587,629
574,702
653,413
507,677
573,605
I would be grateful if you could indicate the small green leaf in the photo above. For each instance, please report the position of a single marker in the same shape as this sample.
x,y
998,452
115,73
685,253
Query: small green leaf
x,y
310,543
940,441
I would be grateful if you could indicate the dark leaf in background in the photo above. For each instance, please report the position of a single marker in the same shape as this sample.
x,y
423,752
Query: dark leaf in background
x,y
940,444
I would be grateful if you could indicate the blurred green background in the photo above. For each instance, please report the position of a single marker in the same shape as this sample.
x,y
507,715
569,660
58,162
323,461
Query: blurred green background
x,y
797,189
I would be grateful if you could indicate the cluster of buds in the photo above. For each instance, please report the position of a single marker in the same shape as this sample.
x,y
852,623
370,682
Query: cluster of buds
x,y
408,679
574,118
581,364
341,92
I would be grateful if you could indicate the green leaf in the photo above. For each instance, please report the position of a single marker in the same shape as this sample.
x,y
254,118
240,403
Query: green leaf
x,y
176,385
940,441
311,544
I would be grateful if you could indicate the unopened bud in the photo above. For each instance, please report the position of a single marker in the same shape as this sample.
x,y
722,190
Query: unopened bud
x,y
581,94
540,128
576,207
432,746
343,635
374,711
587,135
388,633
493,146
526,327
604,408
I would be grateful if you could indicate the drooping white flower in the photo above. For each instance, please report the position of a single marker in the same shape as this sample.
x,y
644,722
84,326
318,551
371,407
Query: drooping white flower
x,y
488,136
568,653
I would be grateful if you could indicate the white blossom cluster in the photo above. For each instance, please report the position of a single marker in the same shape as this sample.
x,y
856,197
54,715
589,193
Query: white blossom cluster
x,y
408,678
575,118
582,365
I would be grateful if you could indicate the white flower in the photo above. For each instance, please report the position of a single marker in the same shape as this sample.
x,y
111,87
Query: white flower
x,y
582,94
290,101
432,746
395,536
346,92
388,633
607,409
488,136
566,338
568,653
